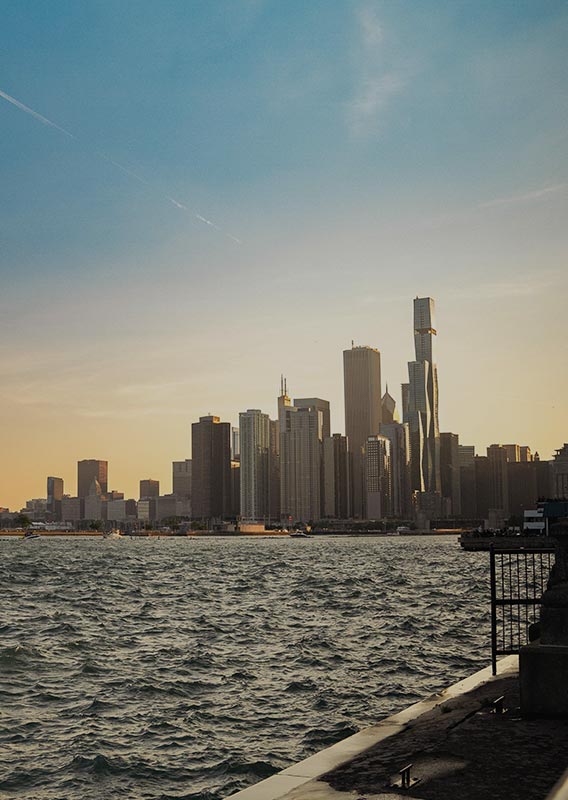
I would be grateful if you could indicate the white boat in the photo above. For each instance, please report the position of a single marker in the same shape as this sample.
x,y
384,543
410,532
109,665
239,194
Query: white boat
x,y
298,535
31,535
113,534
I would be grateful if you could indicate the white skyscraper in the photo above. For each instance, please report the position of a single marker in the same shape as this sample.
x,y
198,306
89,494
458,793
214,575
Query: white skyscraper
x,y
254,435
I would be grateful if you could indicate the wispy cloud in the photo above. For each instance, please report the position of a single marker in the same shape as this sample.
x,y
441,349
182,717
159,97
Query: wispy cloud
x,y
525,197
510,201
378,78
373,96
130,173
515,286
370,26
129,413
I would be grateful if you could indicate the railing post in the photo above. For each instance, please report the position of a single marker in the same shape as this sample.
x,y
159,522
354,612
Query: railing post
x,y
493,611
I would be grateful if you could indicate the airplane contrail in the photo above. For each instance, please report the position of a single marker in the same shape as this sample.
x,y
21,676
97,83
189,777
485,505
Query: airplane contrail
x,y
125,170
34,114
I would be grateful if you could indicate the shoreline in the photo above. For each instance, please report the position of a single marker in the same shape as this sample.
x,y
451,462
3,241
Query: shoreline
x,y
13,533
449,740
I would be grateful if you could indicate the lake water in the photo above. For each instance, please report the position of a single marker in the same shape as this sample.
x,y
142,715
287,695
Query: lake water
x,y
191,668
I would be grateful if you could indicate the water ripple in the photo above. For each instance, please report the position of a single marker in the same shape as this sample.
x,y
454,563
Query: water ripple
x,y
174,668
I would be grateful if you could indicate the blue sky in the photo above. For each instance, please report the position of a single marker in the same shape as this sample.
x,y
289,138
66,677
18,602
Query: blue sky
x,y
362,152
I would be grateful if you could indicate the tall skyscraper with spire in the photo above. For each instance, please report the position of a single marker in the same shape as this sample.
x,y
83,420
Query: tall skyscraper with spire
x,y
421,410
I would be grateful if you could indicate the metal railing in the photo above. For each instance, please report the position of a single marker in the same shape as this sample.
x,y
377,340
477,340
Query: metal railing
x,y
518,581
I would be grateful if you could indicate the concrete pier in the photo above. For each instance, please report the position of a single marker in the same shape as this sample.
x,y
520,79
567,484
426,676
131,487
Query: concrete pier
x,y
467,742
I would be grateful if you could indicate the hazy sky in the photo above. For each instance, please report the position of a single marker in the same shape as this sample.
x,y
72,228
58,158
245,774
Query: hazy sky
x,y
362,152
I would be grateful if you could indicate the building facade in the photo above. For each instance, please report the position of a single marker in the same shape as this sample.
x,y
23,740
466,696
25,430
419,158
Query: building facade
x,y
54,497
337,477
89,470
254,435
560,473
181,479
363,412
450,474
422,404
301,428
398,435
378,478
149,489
211,468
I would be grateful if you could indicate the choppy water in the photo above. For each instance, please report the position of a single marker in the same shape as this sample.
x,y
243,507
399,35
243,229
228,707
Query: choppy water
x,y
179,668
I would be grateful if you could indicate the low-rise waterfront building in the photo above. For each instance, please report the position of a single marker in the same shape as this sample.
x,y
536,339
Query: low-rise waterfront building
x,y
121,510
72,509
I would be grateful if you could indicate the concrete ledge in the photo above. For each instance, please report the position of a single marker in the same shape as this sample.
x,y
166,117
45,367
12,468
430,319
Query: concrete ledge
x,y
308,770
560,790
543,684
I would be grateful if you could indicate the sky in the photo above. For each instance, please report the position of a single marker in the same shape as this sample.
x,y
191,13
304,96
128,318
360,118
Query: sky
x,y
200,195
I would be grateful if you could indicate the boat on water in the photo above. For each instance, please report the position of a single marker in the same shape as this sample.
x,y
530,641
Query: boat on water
x,y
113,534
298,535
31,535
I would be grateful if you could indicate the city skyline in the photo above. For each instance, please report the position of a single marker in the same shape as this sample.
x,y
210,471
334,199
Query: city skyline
x,y
360,363
362,154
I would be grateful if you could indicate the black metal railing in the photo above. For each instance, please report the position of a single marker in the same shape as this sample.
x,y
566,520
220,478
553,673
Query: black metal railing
x,y
518,581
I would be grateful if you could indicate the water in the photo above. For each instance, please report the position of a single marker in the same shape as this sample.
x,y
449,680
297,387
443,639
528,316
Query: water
x,y
182,668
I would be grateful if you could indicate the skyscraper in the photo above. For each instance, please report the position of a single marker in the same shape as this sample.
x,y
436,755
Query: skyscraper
x,y
497,455
389,411
399,436
362,390
560,473
337,477
149,489
54,497
181,479
300,459
211,468
378,477
254,435
274,470
422,408
323,407
450,474
89,470
235,443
